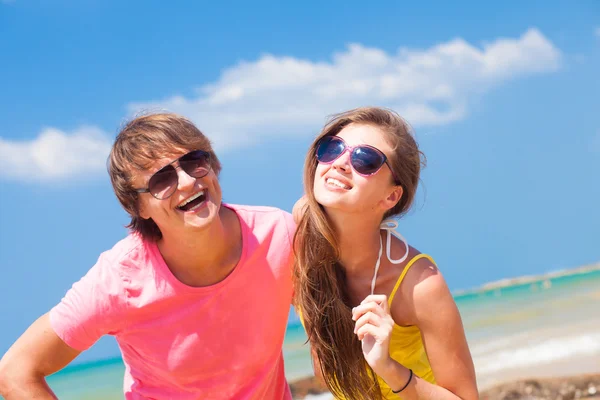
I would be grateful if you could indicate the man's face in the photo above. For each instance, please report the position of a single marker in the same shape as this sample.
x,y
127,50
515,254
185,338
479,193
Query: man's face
x,y
194,204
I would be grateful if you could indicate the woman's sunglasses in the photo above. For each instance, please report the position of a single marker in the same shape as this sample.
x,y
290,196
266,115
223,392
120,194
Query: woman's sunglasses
x,y
365,160
164,183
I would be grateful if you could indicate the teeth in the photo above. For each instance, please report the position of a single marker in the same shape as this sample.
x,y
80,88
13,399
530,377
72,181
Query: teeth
x,y
194,197
335,182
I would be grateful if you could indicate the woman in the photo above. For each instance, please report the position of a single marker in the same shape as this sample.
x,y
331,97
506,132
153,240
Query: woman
x,y
379,327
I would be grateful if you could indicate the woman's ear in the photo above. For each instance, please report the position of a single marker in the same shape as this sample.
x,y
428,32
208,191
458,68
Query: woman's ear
x,y
393,197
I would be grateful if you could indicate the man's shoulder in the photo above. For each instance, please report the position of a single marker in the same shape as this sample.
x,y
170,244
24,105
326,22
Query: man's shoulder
x,y
266,219
126,253
255,209
260,213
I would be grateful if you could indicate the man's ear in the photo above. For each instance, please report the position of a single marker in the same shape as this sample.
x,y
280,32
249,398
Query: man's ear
x,y
142,210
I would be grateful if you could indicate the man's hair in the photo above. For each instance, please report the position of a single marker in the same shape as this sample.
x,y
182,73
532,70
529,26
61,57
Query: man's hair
x,y
142,141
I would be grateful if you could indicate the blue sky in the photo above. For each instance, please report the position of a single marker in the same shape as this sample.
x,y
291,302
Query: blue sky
x,y
504,101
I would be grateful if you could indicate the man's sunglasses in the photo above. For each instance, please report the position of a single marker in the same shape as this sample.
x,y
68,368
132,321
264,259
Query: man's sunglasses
x,y
365,160
164,183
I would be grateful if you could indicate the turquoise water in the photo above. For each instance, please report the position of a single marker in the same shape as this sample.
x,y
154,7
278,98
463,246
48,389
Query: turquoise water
x,y
527,326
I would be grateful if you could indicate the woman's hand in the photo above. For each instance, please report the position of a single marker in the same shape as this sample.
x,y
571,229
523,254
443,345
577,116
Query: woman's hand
x,y
374,328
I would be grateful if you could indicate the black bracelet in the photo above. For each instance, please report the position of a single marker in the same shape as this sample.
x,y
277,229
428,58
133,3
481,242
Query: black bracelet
x,y
407,382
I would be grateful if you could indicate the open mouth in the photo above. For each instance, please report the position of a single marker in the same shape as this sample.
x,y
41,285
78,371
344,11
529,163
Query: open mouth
x,y
332,182
193,202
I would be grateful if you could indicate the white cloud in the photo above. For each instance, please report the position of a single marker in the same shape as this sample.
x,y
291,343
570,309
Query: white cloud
x,y
55,155
277,96
283,95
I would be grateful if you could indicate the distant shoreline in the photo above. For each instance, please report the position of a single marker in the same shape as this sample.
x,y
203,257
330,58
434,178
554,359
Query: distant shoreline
x,y
527,279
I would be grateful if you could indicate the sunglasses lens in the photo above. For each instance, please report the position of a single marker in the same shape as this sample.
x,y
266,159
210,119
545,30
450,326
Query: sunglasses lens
x,y
196,164
366,160
163,183
329,149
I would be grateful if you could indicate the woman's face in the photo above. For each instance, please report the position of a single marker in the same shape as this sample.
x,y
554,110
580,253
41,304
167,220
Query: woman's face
x,y
338,186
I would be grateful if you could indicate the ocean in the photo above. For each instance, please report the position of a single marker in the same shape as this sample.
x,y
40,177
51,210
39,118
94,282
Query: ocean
x,y
540,326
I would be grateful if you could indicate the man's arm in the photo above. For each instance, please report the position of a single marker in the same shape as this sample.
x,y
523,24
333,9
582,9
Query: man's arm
x,y
38,353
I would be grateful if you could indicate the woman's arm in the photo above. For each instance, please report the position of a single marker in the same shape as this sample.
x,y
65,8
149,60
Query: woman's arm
x,y
433,309
443,335
436,314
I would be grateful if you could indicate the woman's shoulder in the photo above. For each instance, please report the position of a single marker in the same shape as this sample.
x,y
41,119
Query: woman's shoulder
x,y
422,282
423,275
417,267
299,209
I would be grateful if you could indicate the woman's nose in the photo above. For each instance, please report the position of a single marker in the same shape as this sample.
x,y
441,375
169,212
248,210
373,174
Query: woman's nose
x,y
342,162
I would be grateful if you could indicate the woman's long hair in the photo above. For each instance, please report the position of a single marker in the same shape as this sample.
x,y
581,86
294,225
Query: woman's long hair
x,y
319,279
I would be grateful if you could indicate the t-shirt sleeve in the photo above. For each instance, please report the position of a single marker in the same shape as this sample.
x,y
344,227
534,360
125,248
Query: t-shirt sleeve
x,y
291,227
92,307
291,230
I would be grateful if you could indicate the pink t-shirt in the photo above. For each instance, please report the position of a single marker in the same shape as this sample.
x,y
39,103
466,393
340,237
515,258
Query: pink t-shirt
x,y
179,342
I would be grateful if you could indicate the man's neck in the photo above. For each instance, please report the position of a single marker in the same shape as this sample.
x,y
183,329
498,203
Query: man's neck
x,y
204,258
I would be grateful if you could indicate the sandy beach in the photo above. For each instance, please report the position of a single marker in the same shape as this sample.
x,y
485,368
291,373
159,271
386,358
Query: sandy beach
x,y
558,388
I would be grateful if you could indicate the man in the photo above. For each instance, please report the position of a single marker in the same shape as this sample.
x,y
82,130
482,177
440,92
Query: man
x,y
197,296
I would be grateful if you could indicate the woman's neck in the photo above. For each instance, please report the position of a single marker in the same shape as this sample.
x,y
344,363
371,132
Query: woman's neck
x,y
358,240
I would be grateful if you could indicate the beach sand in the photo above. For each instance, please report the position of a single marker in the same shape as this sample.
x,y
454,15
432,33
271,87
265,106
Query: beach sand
x,y
556,388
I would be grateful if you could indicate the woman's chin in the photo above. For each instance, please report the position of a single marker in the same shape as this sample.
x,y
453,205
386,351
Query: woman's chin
x,y
334,203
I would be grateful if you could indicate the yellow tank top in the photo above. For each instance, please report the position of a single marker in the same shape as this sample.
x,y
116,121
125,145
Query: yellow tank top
x,y
406,345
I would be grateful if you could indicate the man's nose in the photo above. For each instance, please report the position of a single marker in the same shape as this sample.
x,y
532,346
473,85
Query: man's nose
x,y
184,180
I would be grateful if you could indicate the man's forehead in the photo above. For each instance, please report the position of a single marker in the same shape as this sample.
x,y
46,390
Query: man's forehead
x,y
144,167
160,158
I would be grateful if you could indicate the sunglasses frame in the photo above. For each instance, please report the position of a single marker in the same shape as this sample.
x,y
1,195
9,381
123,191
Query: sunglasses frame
x,y
176,164
351,149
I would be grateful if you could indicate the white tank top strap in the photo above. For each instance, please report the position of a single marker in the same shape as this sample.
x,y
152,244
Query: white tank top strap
x,y
390,225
